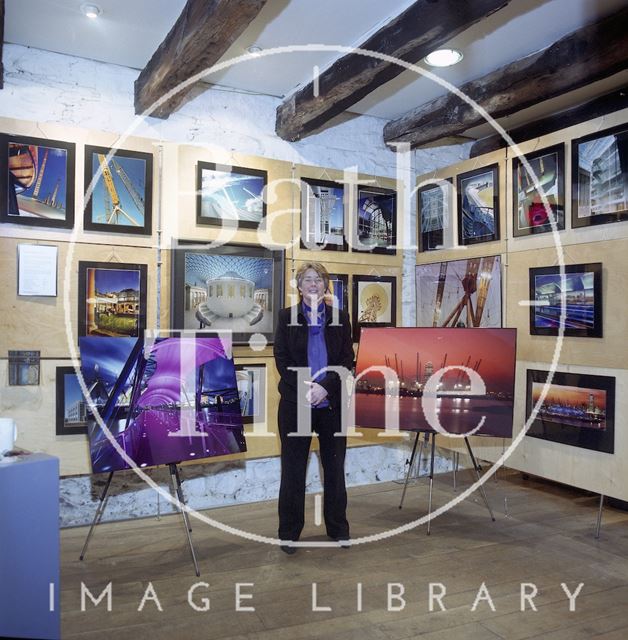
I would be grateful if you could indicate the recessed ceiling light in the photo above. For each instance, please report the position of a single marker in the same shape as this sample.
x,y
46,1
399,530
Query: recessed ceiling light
x,y
254,50
92,11
443,58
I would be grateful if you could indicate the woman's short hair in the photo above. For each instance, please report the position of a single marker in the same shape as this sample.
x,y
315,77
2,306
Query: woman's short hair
x,y
316,266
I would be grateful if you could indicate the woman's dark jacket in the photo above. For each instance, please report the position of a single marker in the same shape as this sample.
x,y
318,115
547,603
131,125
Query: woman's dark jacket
x,y
291,351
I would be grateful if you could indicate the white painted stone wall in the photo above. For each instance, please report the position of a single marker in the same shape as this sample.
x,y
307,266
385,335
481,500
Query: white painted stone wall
x,y
48,87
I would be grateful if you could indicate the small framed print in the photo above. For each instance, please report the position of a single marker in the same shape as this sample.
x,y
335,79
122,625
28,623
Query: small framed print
x,y
112,299
122,193
24,368
582,291
251,380
530,215
374,302
230,196
375,226
434,208
478,205
72,411
322,215
339,289
599,179
37,181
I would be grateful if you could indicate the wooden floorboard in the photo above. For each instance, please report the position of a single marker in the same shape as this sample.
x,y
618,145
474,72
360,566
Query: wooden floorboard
x,y
543,535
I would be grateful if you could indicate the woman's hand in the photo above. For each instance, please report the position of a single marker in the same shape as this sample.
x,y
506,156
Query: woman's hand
x,y
315,394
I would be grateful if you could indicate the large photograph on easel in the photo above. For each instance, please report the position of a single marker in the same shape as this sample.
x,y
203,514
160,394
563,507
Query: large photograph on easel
x,y
417,354
173,400
459,293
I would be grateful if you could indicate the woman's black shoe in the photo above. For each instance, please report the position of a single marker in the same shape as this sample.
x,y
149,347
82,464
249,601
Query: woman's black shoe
x,y
288,549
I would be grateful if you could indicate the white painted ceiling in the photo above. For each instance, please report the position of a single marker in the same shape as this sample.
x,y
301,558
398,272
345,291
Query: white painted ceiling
x,y
129,31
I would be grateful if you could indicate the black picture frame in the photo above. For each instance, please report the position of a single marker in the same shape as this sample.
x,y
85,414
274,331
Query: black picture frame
x,y
68,388
259,381
584,317
343,279
529,214
128,195
388,296
119,313
600,160
314,193
573,417
221,208
434,203
195,264
476,223
46,197
374,229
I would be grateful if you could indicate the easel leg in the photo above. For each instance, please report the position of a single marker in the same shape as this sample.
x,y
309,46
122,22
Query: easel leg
x,y
456,463
97,515
180,495
477,468
174,476
429,506
599,517
405,485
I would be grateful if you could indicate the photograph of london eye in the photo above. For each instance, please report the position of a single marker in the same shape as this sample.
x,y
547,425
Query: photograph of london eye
x,y
121,199
40,181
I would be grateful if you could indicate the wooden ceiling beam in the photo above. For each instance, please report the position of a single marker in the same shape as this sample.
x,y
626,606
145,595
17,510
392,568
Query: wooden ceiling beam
x,y
596,108
423,27
200,36
596,51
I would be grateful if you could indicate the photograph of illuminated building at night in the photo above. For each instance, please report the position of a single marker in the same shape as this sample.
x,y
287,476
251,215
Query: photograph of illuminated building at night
x,y
578,409
415,355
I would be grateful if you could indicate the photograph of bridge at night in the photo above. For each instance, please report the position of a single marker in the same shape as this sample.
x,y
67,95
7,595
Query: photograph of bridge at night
x,y
417,354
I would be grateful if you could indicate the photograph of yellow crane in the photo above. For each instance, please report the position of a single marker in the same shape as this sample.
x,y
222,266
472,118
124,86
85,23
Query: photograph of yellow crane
x,y
121,196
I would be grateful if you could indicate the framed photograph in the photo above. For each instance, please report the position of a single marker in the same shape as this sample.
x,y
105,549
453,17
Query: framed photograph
x,y
143,393
322,215
230,196
375,229
417,355
600,177
374,302
530,215
459,293
112,299
72,410
37,270
251,380
478,205
581,289
434,208
232,287
37,181
24,368
578,409
339,289
122,196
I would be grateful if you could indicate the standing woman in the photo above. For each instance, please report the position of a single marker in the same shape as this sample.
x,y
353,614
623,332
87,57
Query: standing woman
x,y
307,336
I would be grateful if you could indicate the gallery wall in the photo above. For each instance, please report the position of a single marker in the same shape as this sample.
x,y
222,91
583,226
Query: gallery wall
x,y
606,356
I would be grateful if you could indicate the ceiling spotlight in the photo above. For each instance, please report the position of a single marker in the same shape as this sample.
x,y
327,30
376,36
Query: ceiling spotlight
x,y
254,50
91,11
443,58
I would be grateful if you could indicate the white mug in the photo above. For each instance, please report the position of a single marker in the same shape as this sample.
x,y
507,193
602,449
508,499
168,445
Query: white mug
x,y
8,434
